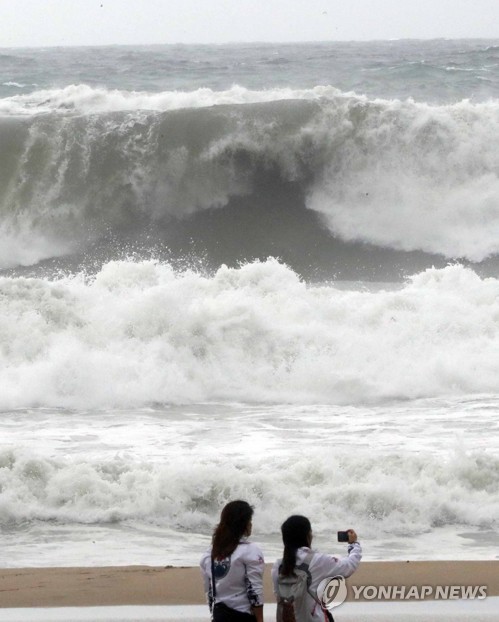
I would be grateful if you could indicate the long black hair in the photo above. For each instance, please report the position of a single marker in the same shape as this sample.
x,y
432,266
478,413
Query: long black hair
x,y
295,533
233,524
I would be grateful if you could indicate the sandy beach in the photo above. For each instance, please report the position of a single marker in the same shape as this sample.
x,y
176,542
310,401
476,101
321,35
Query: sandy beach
x,y
148,585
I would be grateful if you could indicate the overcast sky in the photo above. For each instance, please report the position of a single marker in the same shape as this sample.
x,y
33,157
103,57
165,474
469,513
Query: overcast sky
x,y
102,22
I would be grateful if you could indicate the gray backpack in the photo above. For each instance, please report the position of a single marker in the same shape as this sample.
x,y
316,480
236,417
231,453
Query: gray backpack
x,y
292,603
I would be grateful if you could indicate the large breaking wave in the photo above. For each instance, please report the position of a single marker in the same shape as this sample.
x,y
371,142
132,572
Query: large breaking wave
x,y
141,333
401,495
309,176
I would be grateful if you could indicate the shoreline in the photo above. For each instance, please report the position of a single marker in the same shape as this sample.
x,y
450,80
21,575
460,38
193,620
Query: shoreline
x,y
154,585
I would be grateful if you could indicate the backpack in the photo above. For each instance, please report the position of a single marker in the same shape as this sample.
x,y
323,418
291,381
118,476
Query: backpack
x,y
292,603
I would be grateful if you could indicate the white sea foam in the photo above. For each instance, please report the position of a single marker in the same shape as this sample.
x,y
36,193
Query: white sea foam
x,y
16,84
140,333
105,444
428,611
414,177
400,175
83,99
392,496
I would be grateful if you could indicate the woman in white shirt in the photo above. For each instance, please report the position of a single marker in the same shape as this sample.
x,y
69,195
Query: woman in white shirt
x,y
232,568
297,539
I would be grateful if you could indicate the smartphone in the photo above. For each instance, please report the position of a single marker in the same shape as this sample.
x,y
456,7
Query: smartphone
x,y
342,536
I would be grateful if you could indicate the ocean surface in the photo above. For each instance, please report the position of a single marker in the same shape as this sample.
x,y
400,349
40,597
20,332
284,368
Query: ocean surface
x,y
267,272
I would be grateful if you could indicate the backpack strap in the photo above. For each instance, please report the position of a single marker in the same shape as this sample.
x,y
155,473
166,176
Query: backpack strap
x,y
305,566
213,586
328,614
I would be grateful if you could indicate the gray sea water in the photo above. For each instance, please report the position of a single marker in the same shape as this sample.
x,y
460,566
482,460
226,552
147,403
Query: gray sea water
x,y
435,71
256,271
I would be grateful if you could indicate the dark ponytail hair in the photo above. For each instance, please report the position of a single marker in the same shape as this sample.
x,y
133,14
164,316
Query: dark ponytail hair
x,y
233,523
295,534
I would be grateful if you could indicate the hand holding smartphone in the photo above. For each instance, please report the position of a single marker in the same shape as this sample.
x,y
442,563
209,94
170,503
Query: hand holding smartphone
x,y
347,536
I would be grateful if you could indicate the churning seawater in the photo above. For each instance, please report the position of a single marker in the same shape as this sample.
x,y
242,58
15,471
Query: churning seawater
x,y
257,271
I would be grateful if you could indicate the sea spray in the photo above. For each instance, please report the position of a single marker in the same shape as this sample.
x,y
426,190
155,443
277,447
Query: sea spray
x,y
141,333
400,495
402,176
154,363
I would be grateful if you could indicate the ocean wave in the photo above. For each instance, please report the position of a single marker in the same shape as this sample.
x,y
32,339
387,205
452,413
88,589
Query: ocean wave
x,y
84,99
400,495
16,84
396,175
140,333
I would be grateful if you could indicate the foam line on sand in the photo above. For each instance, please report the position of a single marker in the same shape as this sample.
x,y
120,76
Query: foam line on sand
x,y
427,611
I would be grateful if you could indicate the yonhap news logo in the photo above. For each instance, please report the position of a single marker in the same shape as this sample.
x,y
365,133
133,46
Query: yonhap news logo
x,y
332,592
419,592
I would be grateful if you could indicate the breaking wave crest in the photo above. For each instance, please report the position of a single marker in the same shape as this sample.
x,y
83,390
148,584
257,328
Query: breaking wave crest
x,y
401,495
82,165
140,333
